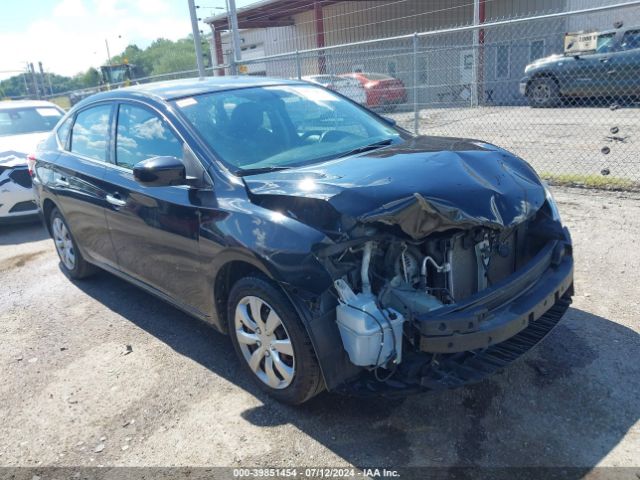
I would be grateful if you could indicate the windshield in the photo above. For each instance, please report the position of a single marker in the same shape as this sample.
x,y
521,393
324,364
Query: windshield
x,y
18,121
282,126
605,43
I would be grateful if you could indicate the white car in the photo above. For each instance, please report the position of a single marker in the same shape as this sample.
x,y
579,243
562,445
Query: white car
x,y
23,125
349,87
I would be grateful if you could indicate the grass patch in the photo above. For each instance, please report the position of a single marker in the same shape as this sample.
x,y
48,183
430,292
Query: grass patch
x,y
62,101
590,181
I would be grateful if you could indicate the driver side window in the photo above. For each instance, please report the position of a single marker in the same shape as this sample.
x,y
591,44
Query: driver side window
x,y
630,40
141,134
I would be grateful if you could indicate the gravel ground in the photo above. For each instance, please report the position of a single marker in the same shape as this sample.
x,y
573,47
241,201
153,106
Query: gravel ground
x,y
556,141
100,373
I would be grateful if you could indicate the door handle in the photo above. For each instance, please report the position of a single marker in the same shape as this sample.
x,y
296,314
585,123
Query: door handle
x,y
604,60
115,200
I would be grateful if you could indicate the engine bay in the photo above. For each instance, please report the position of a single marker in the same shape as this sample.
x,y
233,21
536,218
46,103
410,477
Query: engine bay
x,y
388,283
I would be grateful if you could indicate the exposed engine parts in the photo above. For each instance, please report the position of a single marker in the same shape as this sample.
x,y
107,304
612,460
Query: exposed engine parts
x,y
391,281
372,335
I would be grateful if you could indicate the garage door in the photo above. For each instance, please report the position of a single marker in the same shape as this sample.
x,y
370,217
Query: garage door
x,y
251,52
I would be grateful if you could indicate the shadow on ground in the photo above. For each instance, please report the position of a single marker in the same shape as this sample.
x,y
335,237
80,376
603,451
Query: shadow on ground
x,y
25,232
568,403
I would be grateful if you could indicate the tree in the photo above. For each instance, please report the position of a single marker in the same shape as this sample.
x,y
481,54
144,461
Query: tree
x,y
90,78
160,57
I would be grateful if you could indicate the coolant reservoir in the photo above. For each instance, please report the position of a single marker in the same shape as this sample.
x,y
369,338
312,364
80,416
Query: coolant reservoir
x,y
367,332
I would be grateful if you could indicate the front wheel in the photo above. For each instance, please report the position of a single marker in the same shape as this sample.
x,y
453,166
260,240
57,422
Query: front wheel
x,y
73,264
271,341
543,93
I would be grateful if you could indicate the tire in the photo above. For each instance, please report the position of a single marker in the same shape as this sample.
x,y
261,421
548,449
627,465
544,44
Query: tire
x,y
390,107
543,93
280,360
71,260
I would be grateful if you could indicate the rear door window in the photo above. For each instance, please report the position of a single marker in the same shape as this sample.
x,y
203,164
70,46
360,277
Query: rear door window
x,y
90,132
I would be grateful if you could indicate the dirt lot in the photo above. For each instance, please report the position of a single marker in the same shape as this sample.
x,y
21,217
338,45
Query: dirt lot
x,y
556,141
100,373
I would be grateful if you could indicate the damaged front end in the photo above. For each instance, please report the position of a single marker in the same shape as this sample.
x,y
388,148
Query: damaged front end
x,y
438,281
453,307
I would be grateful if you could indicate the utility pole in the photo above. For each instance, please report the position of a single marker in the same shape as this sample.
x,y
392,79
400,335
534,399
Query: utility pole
x,y
26,85
235,35
42,75
49,82
34,80
106,42
196,38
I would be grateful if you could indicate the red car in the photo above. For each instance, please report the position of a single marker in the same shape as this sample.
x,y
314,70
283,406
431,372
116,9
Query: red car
x,y
382,90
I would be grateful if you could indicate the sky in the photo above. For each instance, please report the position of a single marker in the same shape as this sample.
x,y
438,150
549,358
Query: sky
x,y
68,36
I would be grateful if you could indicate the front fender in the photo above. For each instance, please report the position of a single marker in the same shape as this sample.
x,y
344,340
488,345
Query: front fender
x,y
278,245
282,248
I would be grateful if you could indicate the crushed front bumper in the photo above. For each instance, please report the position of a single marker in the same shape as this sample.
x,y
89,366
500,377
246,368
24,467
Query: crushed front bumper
x,y
507,308
508,319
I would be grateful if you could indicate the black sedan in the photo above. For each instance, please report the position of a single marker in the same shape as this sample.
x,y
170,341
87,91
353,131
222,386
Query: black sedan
x,y
610,70
337,250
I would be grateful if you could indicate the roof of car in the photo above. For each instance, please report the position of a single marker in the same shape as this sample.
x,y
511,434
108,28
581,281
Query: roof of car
x,y
25,104
173,89
622,29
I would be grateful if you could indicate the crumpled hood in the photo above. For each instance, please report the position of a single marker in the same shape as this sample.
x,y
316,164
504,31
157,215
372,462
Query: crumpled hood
x,y
424,185
15,148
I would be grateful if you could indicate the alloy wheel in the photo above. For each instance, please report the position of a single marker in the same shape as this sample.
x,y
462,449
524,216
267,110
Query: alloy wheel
x,y
64,244
264,342
541,92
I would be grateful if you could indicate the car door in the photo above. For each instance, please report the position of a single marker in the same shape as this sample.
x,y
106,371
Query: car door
x,y
154,229
625,64
77,181
586,75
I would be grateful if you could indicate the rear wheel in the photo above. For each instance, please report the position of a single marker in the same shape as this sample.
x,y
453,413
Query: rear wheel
x,y
271,341
543,93
71,259
389,107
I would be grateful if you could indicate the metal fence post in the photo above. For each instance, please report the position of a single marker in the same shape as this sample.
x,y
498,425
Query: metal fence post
x,y
476,43
196,39
329,61
298,66
235,36
416,111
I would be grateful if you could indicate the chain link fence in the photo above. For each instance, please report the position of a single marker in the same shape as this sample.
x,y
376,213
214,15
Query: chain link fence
x,y
568,104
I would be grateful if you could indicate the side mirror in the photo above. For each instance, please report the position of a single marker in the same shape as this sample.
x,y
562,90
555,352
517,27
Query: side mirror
x,y
160,172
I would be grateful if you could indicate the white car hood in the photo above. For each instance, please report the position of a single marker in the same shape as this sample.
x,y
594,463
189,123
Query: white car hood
x,y
15,148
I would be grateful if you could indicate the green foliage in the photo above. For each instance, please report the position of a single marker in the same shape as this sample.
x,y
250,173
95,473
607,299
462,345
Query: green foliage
x,y
15,86
90,78
162,56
